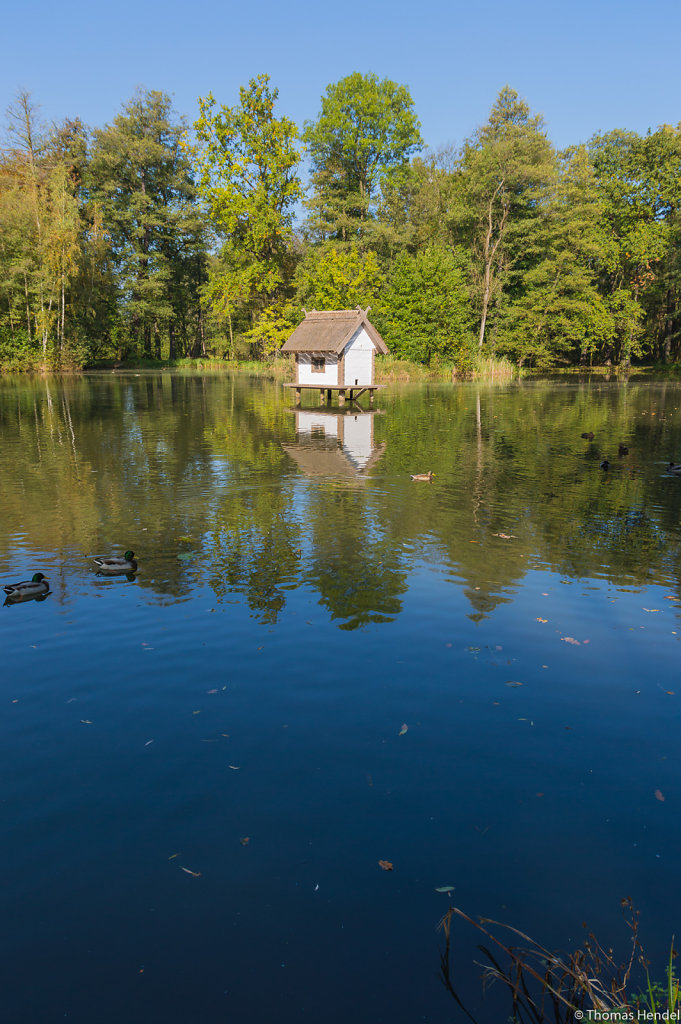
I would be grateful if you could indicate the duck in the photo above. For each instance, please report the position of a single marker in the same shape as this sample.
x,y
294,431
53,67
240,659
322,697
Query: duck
x,y
605,464
117,563
588,435
428,477
37,586
623,450
674,467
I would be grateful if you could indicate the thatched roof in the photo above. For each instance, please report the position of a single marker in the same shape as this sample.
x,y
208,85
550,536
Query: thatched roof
x,y
330,331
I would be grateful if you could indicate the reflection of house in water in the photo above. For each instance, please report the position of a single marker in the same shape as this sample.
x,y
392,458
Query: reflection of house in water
x,y
335,443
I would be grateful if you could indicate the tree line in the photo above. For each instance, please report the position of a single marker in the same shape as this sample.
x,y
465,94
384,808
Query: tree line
x,y
153,239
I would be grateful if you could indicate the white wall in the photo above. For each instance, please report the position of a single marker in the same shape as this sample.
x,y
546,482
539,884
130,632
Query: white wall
x,y
306,376
359,359
310,421
358,437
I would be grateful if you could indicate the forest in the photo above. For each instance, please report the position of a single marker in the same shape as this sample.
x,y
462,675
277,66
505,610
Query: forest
x,y
156,239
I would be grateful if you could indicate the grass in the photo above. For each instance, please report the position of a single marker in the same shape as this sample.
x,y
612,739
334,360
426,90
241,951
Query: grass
x,y
588,984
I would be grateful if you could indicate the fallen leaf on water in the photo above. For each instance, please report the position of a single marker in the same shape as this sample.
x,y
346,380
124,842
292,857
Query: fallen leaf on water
x,y
505,536
234,767
148,743
184,556
542,620
196,712
670,692
659,795
445,888
173,856
211,691
404,729
651,609
86,721
512,682
386,865
570,640
245,840
194,874
671,597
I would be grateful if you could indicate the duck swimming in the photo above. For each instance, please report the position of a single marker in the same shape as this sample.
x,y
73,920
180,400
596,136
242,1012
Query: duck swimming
x,y
38,586
588,435
428,477
674,467
117,563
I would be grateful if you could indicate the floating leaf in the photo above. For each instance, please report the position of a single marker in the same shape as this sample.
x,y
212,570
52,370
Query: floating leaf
x,y
659,795
445,888
86,721
570,640
386,865
245,840
542,620
404,728
651,609
194,874
234,767
512,682
185,556
211,691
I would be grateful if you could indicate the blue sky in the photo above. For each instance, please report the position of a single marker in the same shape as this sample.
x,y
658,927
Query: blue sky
x,y
586,66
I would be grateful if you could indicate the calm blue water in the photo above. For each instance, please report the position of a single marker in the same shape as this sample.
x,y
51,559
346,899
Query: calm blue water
x,y
238,708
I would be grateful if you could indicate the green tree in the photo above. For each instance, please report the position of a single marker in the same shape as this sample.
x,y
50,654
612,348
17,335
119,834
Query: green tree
x,y
363,137
558,311
140,178
247,170
635,212
503,173
425,311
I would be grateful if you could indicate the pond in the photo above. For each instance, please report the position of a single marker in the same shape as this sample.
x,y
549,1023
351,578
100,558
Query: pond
x,y
234,780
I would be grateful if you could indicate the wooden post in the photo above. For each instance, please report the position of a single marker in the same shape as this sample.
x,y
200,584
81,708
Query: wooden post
x,y
341,396
297,396
321,396
371,397
328,396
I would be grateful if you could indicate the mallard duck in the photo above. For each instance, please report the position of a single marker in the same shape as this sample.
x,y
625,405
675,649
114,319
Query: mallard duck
x,y
605,464
35,587
588,435
674,467
428,477
623,450
116,563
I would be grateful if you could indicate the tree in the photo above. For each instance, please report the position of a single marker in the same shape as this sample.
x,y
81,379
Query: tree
x,y
504,169
364,135
557,310
425,311
247,161
635,212
140,178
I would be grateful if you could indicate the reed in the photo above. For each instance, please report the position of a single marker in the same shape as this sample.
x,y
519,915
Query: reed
x,y
545,986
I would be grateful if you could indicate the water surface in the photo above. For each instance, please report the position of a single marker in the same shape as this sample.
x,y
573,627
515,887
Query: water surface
x,y
238,708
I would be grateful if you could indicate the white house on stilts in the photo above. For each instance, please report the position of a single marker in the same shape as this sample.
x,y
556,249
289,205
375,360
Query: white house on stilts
x,y
335,350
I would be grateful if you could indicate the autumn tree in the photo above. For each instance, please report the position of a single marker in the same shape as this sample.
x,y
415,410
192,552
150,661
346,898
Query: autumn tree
x,y
247,170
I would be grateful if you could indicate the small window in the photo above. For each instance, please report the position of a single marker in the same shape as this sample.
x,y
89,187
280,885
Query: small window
x,y
318,364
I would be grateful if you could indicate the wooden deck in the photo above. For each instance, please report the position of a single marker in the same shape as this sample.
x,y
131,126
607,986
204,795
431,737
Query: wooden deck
x,y
344,391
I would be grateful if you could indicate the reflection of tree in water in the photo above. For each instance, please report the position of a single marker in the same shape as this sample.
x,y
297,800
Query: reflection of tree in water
x,y
253,549
146,461
353,563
